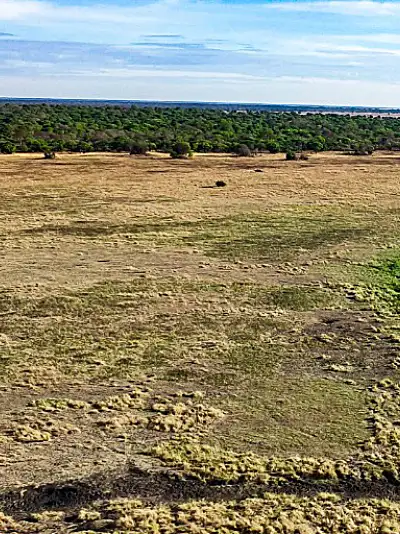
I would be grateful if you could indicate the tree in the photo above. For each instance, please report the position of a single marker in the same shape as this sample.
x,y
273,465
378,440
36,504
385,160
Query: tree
x,y
38,128
181,150
273,147
317,144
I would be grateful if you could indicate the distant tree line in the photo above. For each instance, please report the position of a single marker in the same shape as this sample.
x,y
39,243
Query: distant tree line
x,y
55,128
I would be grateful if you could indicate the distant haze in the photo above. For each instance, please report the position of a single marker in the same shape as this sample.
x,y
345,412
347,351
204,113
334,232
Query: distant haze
x,y
229,106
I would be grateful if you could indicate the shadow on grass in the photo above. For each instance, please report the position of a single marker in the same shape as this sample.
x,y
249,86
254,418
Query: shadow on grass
x,y
274,237
104,228
166,487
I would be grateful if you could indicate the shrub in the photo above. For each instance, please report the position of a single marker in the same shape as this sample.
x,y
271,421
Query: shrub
x,y
361,150
6,147
243,151
181,150
139,148
83,147
291,156
296,156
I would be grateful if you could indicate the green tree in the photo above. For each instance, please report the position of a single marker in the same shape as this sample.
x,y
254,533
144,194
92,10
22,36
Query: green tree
x,y
7,147
180,150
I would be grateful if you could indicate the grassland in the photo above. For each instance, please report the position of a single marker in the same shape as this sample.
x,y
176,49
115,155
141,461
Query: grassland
x,y
177,357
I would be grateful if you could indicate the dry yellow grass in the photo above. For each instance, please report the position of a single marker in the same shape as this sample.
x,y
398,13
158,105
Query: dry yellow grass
x,y
120,272
82,217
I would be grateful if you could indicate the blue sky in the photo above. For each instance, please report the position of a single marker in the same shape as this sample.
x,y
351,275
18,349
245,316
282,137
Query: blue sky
x,y
342,52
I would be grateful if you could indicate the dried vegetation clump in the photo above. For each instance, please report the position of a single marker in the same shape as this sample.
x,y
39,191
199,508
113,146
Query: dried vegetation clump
x,y
182,416
179,412
378,458
272,514
36,429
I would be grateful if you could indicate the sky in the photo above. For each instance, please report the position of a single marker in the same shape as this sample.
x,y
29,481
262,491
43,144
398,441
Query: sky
x,y
340,52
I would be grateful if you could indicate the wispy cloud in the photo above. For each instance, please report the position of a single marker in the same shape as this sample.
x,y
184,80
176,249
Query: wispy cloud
x,y
183,46
361,8
163,36
215,44
174,74
20,9
382,38
24,10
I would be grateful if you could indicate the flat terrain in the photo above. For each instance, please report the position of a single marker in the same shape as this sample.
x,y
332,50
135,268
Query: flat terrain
x,y
186,348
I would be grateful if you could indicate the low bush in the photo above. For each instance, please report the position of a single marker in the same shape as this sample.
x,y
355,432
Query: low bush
x,y
296,156
181,150
243,151
139,149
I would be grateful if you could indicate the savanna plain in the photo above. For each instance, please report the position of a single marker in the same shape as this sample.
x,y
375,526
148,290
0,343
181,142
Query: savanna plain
x,y
178,357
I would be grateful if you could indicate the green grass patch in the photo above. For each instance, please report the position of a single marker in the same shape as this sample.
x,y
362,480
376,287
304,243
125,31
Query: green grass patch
x,y
282,414
276,236
378,283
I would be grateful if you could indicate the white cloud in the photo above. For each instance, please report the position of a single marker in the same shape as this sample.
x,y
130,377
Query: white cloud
x,y
20,64
358,49
184,15
20,9
334,47
347,7
174,74
383,38
105,23
255,24
24,10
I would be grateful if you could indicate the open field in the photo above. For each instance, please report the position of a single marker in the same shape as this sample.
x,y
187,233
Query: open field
x,y
171,351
